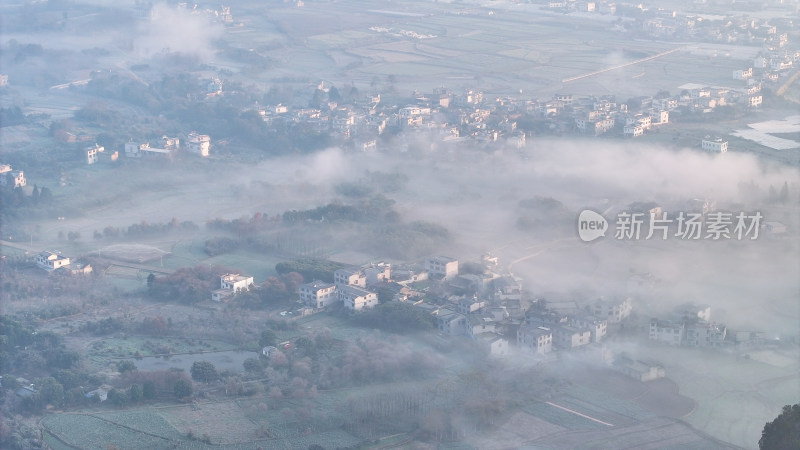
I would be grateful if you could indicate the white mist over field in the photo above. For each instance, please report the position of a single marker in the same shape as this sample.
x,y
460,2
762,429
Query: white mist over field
x,y
177,30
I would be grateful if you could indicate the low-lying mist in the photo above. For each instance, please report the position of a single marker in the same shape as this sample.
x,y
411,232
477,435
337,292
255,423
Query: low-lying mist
x,y
488,201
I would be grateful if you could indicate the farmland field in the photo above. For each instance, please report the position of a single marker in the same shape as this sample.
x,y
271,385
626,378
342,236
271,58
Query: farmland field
x,y
511,48
101,352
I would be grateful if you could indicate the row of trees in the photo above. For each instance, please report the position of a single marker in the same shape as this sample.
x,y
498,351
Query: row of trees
x,y
144,228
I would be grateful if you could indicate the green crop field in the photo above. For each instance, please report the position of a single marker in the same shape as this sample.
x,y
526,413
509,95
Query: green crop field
x,y
168,428
92,432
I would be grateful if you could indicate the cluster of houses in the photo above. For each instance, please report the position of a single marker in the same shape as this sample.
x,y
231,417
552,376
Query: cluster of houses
x,y
771,34
487,307
452,118
353,288
691,326
198,144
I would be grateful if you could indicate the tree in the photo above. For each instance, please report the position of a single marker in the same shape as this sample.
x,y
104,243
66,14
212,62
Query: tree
x,y
117,397
334,95
183,388
783,432
68,378
45,195
148,390
126,366
204,371
135,393
784,195
268,338
253,365
51,391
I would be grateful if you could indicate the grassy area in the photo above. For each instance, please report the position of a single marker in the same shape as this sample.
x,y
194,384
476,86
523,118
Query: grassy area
x,y
101,352
340,329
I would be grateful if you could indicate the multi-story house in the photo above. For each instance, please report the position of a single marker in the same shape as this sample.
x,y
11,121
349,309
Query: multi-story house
x,y
93,153
10,177
355,298
230,284
442,267
199,144
714,146
612,310
666,331
568,337
535,339
597,327
318,294
350,277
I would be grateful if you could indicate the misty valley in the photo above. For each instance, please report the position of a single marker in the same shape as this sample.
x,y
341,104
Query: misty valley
x,y
424,224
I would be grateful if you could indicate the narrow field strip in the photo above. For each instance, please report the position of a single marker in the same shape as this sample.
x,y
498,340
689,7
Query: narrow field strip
x,y
579,414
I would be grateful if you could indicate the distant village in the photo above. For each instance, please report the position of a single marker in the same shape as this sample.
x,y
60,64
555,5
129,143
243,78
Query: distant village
x,y
491,307
454,119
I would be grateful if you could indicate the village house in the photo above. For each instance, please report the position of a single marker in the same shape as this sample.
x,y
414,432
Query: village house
x,y
377,273
595,126
493,343
470,283
597,327
51,260
477,324
230,284
666,331
641,120
318,294
538,340
93,153
701,334
442,267
714,145
352,276
639,370
561,308
666,103
169,145
633,131
198,144
9,177
659,117
743,74
451,323
614,310
407,275
506,287
567,337
355,298
469,305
